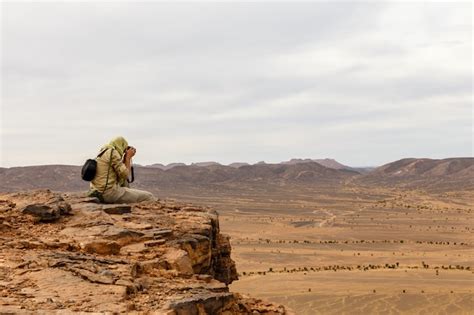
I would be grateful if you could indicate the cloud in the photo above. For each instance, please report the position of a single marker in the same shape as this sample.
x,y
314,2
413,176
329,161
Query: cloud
x,y
362,83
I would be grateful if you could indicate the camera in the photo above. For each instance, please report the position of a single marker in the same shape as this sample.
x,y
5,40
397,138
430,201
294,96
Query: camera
x,y
126,151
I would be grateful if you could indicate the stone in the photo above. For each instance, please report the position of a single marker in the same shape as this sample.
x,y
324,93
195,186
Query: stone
x,y
117,209
154,243
93,277
42,212
222,266
206,278
133,249
101,247
179,260
138,226
131,288
162,232
64,207
49,211
121,235
5,226
150,266
199,250
203,304
26,244
193,209
124,282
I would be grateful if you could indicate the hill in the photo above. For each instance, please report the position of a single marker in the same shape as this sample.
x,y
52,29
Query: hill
x,y
329,163
432,174
428,174
308,172
54,177
165,167
67,178
238,164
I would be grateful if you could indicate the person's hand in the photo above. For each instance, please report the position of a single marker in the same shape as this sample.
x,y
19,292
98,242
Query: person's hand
x,y
130,152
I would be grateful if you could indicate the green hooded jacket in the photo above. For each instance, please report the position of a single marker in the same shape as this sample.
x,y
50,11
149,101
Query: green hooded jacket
x,y
118,173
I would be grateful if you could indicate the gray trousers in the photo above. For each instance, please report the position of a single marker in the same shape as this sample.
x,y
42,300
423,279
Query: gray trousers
x,y
119,194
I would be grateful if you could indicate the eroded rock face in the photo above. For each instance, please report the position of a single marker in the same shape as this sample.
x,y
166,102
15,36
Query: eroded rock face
x,y
50,210
69,253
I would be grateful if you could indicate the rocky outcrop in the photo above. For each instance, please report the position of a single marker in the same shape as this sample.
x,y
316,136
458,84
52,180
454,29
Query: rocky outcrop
x,y
67,253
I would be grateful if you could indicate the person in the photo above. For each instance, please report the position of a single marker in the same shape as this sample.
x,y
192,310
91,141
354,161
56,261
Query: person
x,y
110,183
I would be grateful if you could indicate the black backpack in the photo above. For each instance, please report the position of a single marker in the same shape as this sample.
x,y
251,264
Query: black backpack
x,y
90,168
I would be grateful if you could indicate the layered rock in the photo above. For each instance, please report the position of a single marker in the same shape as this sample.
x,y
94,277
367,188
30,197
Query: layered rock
x,y
66,253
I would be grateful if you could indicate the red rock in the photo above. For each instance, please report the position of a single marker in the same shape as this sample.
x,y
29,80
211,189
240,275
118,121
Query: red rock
x,y
151,260
154,243
179,260
101,247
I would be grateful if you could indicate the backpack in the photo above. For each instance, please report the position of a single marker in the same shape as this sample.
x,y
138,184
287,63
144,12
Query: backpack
x,y
89,168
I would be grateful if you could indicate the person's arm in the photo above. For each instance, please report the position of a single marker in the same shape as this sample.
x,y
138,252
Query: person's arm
x,y
119,166
128,158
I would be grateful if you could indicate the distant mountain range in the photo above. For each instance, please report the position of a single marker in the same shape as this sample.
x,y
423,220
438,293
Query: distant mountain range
x,y
440,175
165,167
446,174
330,163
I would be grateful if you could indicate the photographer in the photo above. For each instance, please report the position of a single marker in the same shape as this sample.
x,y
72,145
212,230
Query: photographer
x,y
114,166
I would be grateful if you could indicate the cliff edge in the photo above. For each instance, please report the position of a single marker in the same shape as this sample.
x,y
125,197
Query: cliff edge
x,y
64,253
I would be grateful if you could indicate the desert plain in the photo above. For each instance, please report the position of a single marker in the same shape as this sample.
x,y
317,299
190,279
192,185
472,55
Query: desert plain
x,y
397,239
349,249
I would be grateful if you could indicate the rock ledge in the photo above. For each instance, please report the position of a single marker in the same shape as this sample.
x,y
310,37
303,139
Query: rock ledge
x,y
65,254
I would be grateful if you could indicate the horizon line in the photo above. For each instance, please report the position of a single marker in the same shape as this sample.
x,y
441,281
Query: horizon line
x,y
256,163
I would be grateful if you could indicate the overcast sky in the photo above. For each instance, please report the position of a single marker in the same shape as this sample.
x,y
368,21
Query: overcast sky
x,y
365,84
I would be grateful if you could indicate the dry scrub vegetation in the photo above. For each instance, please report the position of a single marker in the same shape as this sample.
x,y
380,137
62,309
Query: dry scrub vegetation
x,y
351,249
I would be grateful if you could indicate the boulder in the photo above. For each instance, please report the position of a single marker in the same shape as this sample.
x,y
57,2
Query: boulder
x,y
117,209
179,260
47,212
214,303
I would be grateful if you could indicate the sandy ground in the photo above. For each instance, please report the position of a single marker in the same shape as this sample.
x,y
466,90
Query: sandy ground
x,y
352,250
324,250
359,292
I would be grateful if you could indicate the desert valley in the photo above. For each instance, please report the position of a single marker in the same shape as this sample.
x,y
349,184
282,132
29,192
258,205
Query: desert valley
x,y
326,239
289,158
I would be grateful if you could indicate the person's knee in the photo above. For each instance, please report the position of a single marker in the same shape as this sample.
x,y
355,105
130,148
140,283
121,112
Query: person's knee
x,y
142,195
148,196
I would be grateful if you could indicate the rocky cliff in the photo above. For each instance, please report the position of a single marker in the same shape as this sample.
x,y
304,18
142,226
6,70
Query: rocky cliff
x,y
64,253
